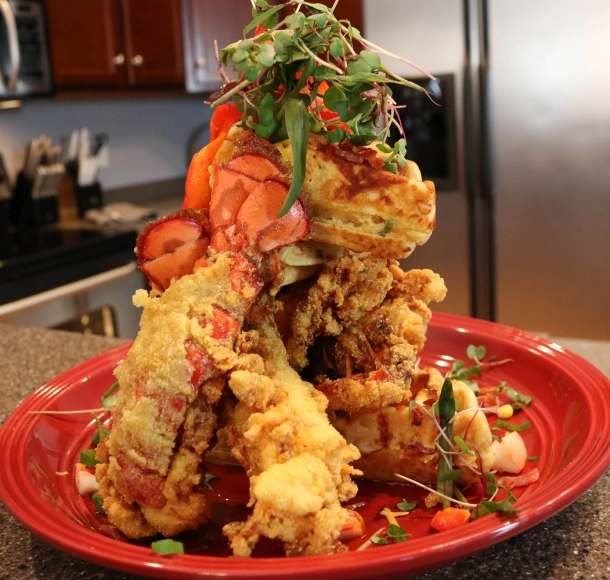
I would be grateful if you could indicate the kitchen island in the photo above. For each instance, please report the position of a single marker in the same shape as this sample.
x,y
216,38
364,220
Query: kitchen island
x,y
572,544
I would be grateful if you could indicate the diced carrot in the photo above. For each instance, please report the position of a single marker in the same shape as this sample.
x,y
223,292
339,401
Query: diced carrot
x,y
224,117
197,188
450,518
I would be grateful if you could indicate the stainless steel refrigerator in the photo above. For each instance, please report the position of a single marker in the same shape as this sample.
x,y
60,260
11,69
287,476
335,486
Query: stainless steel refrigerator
x,y
523,231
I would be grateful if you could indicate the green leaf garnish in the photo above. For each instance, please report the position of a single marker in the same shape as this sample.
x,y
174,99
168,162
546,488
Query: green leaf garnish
x,y
492,483
87,458
533,458
397,534
506,425
379,540
405,506
167,546
297,125
101,433
446,407
98,502
462,445
450,475
207,478
108,400
503,507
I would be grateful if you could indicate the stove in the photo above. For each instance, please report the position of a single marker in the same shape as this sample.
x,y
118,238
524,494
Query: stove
x,y
34,260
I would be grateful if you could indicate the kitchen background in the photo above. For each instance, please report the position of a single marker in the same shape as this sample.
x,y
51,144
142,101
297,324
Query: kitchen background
x,y
523,207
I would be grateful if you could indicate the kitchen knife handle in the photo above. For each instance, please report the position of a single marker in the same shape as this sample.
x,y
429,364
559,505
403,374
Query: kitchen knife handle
x,y
13,44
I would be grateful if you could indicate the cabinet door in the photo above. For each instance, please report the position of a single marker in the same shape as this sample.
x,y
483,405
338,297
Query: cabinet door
x,y
86,43
204,22
153,40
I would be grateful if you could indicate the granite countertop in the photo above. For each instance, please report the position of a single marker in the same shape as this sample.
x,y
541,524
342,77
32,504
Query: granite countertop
x,y
572,544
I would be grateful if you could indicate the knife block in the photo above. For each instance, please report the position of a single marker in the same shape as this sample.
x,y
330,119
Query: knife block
x,y
26,210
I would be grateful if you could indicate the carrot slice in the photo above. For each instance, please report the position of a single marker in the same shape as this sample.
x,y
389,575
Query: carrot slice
x,y
231,189
224,117
449,518
197,188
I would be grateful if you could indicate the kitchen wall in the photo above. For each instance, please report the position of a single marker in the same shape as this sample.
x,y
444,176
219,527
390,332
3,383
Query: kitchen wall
x,y
430,35
148,136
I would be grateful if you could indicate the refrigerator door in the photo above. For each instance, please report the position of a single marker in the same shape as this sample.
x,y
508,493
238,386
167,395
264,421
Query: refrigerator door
x,y
550,135
431,34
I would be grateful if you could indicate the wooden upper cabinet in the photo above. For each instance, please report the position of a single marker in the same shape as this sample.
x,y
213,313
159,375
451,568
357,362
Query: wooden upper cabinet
x,y
205,21
153,42
86,43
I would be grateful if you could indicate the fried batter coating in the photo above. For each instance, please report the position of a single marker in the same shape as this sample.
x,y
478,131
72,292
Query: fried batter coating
x,y
297,462
344,292
169,384
396,440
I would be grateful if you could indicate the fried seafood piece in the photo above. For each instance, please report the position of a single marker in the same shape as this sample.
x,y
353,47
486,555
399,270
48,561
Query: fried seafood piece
x,y
343,294
298,464
391,443
348,199
172,379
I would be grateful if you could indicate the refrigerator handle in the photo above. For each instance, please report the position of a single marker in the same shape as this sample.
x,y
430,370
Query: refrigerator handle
x,y
13,44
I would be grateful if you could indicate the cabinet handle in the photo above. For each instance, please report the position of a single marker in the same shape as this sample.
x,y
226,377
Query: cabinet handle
x,y
137,60
118,60
200,62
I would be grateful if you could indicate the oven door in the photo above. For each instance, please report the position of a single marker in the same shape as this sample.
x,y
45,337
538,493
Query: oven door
x,y
25,64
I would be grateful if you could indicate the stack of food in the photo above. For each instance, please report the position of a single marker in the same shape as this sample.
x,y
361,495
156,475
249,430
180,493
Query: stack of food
x,y
280,326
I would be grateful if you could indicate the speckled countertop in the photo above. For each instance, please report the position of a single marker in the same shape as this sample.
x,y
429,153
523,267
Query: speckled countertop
x,y
573,544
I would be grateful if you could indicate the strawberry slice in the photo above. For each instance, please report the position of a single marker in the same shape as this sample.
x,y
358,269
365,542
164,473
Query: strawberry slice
x,y
166,236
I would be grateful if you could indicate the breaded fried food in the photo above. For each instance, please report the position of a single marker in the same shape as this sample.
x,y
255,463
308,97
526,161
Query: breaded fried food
x,y
350,203
173,377
396,440
299,465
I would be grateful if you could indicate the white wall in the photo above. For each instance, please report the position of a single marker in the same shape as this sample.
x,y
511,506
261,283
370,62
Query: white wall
x,y
148,136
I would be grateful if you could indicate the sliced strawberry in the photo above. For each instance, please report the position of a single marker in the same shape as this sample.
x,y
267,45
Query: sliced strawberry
x,y
255,166
176,264
258,218
166,236
231,189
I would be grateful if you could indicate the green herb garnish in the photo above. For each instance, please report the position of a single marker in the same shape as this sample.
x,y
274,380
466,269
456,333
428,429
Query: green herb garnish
x,y
376,539
207,478
296,59
387,228
514,395
462,445
167,546
108,400
488,507
87,458
405,506
98,502
506,425
533,458
102,432
397,534
446,406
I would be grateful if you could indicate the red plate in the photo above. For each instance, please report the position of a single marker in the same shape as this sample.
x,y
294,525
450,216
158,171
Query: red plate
x,y
570,434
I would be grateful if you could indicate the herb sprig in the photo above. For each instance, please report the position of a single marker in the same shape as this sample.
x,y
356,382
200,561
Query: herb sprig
x,y
310,72
461,372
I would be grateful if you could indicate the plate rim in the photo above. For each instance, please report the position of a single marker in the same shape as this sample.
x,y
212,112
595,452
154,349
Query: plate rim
x,y
439,549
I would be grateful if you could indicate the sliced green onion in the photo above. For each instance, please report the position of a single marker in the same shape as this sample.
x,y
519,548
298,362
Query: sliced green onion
x,y
168,546
87,458
98,502
509,427
533,458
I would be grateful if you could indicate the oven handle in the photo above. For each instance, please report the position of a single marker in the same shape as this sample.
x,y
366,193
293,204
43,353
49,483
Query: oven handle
x,y
13,44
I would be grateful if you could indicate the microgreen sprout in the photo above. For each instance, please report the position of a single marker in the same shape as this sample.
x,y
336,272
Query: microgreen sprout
x,y
461,372
297,70
108,399
405,506
207,478
87,458
101,433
